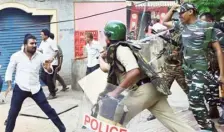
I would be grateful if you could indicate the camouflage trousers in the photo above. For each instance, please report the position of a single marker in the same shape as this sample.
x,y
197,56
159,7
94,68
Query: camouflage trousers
x,y
198,83
172,72
212,93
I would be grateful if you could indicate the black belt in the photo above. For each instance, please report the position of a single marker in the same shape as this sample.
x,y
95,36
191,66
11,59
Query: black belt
x,y
143,81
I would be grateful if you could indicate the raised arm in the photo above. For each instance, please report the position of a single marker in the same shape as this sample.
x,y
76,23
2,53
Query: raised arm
x,y
167,19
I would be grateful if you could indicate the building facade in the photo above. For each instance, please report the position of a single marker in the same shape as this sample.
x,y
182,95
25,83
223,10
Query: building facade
x,y
19,17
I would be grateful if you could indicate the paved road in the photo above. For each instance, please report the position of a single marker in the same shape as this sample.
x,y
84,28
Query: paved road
x,y
73,118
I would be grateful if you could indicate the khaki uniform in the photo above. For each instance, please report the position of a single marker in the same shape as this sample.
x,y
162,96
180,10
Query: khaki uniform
x,y
144,97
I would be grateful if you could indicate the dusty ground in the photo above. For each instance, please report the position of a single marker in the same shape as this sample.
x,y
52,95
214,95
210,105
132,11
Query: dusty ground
x,y
73,118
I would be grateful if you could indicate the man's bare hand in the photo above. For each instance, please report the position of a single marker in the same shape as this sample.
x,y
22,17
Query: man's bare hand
x,y
113,94
47,65
8,90
51,60
175,52
104,54
175,6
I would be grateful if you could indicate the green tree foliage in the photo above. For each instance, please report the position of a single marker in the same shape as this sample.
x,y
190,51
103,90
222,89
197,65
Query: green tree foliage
x,y
213,6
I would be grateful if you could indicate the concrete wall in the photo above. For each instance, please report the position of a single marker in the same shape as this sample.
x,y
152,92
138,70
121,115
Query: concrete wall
x,y
74,70
78,72
94,23
65,31
98,22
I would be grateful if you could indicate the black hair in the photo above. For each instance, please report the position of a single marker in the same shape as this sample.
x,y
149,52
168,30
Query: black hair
x,y
195,12
89,35
27,37
208,15
28,34
51,36
157,20
46,32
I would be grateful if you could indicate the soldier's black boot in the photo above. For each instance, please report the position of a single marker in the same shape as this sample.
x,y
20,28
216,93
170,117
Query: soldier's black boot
x,y
213,112
151,117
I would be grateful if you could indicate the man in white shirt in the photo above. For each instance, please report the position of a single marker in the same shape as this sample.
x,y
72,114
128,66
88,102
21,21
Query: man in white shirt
x,y
50,51
60,61
27,63
93,49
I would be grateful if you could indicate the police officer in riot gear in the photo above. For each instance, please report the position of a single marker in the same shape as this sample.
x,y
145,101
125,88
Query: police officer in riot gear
x,y
125,75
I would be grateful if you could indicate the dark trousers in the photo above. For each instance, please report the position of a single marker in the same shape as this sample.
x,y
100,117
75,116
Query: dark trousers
x,y
91,69
1,83
60,80
17,100
212,92
48,79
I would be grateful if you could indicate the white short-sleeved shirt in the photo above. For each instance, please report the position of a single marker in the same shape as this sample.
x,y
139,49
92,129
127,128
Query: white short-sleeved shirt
x,y
93,52
49,47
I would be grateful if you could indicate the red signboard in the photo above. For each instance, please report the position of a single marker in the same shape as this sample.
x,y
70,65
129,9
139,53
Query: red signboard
x,y
80,41
134,22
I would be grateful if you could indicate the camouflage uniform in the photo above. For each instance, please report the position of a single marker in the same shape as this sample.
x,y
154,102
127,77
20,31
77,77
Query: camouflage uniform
x,y
195,38
212,93
172,67
213,90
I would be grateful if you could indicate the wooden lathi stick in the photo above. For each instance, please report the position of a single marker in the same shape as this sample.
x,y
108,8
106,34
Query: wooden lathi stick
x,y
221,92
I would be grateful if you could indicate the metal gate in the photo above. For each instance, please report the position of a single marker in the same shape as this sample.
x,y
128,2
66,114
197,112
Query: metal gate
x,y
14,24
